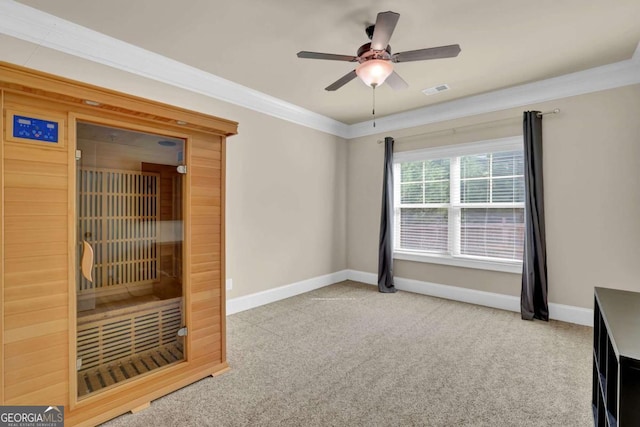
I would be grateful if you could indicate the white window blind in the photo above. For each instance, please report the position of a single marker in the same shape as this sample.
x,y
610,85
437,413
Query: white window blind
x,y
461,201
424,199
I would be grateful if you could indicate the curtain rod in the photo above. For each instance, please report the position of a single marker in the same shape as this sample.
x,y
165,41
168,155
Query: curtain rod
x,y
544,113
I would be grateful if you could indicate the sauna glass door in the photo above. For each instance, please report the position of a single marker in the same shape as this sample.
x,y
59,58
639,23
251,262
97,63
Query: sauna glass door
x,y
129,282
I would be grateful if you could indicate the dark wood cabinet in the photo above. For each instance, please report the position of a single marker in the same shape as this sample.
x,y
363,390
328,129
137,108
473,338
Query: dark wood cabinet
x,y
616,358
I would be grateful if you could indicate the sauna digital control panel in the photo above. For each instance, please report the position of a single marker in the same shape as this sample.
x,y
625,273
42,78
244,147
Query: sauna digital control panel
x,y
35,129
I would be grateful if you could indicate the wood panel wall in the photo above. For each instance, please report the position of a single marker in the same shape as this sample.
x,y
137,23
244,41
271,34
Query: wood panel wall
x,y
36,289
2,248
170,214
37,275
207,257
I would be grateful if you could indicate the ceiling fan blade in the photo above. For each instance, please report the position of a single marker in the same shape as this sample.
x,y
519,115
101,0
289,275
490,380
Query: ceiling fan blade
x,y
396,82
341,81
385,24
429,53
330,56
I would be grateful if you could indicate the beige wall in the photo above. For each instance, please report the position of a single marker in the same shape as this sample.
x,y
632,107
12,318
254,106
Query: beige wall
x,y
289,218
286,204
592,195
286,184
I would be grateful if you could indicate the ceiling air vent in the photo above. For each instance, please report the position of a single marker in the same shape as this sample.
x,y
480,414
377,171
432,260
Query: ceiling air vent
x,y
436,89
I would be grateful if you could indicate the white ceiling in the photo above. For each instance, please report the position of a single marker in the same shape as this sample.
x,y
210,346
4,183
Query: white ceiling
x,y
504,43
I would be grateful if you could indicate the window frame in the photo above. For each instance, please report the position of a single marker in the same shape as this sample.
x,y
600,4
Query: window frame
x,y
454,152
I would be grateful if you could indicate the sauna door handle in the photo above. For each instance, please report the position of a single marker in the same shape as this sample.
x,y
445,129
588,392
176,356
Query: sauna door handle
x,y
87,260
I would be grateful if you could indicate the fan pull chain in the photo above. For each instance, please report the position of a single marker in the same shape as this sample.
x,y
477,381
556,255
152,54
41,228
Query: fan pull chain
x,y
374,105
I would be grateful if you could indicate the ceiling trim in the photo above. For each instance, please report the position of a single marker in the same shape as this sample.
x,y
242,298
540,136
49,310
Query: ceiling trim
x,y
609,76
636,55
32,25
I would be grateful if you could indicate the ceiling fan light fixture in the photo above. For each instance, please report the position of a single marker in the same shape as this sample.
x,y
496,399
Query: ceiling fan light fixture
x,y
374,71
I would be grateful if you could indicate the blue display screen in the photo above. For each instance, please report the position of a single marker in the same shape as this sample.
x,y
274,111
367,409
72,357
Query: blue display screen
x,y
36,129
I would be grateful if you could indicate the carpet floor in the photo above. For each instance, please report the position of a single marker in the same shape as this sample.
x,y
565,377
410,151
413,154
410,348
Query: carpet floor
x,y
346,355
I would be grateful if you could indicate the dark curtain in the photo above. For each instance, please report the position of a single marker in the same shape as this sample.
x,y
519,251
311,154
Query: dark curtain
x,y
385,255
533,300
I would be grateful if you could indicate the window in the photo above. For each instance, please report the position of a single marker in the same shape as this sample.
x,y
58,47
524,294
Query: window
x,y
461,205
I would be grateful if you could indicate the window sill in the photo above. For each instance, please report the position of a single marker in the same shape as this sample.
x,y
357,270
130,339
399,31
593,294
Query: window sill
x,y
467,262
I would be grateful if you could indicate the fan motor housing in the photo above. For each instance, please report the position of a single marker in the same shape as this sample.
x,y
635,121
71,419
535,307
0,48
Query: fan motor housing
x,y
363,52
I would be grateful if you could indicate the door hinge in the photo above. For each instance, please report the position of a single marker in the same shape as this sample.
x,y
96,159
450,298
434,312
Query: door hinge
x,y
182,169
78,154
182,332
78,364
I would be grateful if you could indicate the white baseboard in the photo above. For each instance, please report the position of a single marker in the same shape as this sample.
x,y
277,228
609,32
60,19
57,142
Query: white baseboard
x,y
361,276
571,314
236,305
565,313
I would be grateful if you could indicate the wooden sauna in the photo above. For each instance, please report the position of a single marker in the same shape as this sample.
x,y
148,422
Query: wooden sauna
x,y
112,237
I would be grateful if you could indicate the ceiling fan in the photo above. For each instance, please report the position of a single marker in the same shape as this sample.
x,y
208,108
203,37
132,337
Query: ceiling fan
x,y
375,58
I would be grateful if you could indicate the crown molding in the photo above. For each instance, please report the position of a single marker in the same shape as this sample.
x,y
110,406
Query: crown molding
x,y
32,25
636,55
609,76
